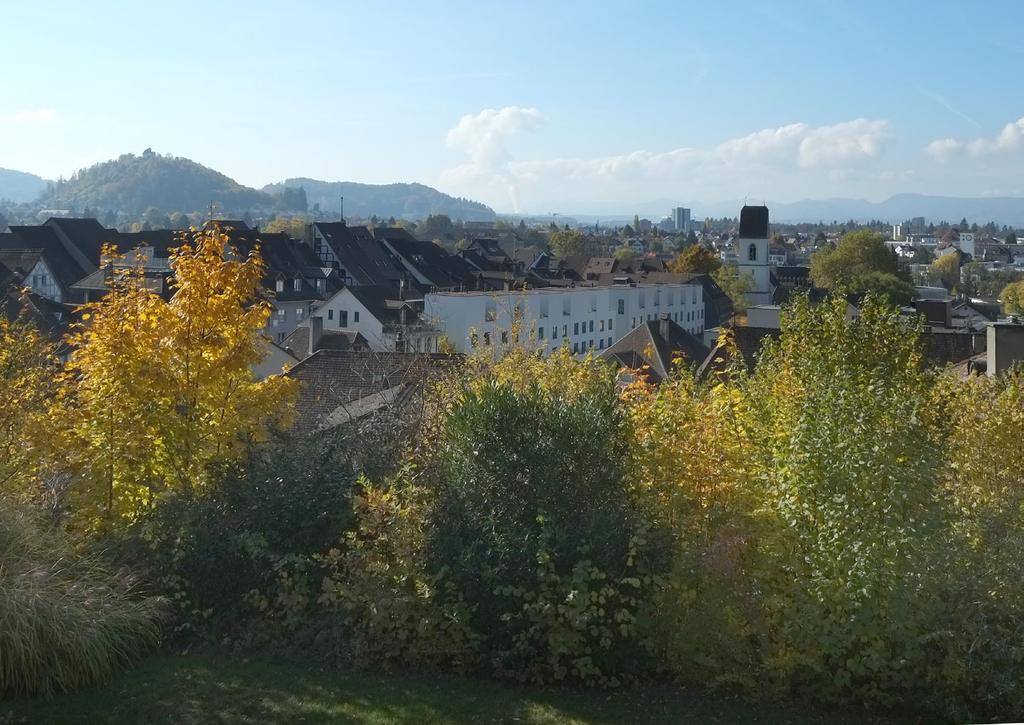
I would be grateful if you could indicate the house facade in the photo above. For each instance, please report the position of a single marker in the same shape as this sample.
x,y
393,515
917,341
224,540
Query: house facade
x,y
386,323
582,317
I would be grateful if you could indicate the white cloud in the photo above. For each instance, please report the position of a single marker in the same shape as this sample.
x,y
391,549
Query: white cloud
x,y
941,149
482,137
842,143
793,148
31,115
1010,139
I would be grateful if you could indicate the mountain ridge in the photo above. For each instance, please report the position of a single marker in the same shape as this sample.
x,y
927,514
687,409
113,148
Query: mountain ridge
x,y
135,184
398,199
20,186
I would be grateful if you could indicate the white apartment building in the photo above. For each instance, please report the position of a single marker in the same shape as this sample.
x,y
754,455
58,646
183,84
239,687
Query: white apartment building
x,y
582,317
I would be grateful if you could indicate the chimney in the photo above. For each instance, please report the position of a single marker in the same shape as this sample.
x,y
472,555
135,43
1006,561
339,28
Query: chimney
x,y
664,326
1005,345
316,331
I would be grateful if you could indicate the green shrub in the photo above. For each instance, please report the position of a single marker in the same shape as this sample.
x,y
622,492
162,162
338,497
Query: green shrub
x,y
66,619
242,551
395,610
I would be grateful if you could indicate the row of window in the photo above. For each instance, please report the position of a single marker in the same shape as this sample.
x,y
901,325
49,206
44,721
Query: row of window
x,y
491,312
297,285
692,316
577,328
577,347
343,317
282,315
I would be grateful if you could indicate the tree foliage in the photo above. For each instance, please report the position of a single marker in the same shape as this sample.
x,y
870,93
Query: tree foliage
x,y
861,262
735,285
696,258
566,243
946,270
27,384
131,184
155,389
1012,297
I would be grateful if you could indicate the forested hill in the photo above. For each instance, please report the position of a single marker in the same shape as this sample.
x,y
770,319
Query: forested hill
x,y
411,201
17,186
131,184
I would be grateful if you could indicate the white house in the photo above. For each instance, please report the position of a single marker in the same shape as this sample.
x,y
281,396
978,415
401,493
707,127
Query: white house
x,y
389,325
582,317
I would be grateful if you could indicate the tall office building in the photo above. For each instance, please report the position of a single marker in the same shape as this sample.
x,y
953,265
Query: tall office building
x,y
681,217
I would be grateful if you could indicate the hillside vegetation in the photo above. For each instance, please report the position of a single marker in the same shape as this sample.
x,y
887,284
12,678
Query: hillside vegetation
x,y
410,201
133,184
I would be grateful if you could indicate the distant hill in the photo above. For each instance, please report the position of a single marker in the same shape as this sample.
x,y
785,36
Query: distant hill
x,y
410,201
132,184
17,186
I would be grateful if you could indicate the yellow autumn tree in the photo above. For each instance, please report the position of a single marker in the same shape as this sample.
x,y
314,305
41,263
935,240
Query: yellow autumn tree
x,y
156,390
27,368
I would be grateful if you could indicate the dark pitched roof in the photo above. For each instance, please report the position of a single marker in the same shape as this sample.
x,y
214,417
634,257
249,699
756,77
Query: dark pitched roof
x,y
350,384
297,343
50,318
646,345
599,265
65,267
161,240
392,233
361,256
20,261
286,259
444,270
383,303
87,235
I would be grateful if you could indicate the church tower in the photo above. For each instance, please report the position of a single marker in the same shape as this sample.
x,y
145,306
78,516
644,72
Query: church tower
x,y
752,253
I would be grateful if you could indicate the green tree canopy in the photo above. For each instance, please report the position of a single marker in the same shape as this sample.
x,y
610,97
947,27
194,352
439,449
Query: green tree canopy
x,y
696,259
946,270
861,262
566,242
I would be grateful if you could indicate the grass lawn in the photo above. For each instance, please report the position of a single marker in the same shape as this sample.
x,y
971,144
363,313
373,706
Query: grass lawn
x,y
209,689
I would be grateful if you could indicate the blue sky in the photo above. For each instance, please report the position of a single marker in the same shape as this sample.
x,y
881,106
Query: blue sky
x,y
531,106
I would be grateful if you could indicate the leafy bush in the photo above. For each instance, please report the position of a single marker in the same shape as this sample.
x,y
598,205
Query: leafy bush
x,y
394,608
847,467
66,620
519,535
242,550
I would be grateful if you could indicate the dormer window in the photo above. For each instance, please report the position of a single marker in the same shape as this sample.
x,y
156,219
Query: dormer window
x,y
280,285
298,284
752,253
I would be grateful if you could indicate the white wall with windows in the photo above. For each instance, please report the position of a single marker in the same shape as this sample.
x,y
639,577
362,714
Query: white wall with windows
x,y
42,281
344,311
584,318
285,317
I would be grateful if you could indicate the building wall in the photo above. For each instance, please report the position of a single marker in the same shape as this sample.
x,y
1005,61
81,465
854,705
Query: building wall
x,y
757,269
1005,346
285,317
41,281
344,311
583,317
